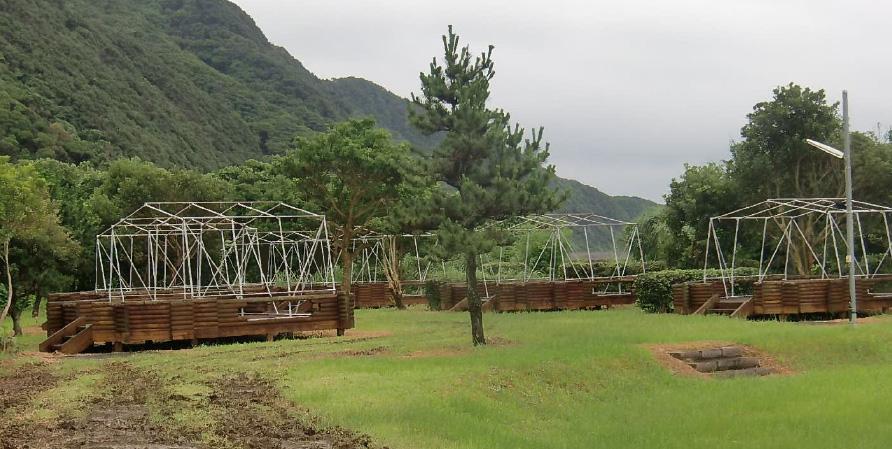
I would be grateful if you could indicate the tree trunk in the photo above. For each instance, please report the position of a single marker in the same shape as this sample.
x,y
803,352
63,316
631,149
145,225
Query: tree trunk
x,y
38,296
392,271
346,286
475,307
8,281
16,316
347,271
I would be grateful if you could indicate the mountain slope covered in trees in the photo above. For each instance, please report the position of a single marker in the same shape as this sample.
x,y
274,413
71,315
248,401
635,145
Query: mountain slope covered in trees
x,y
189,83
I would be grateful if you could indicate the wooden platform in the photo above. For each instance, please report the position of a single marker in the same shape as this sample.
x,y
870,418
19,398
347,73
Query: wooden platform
x,y
79,317
780,297
544,296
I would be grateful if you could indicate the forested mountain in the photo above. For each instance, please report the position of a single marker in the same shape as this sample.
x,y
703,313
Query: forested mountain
x,y
585,198
189,83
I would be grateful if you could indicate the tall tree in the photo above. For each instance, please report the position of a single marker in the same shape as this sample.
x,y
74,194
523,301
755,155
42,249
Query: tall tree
x,y
354,173
773,159
26,214
493,172
700,193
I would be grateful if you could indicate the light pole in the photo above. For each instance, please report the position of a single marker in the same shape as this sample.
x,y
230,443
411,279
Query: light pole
x,y
846,154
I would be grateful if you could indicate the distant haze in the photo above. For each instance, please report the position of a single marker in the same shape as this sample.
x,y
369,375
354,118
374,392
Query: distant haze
x,y
627,91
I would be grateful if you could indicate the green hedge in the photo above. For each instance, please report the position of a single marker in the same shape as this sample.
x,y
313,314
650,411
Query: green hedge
x,y
605,269
432,293
653,289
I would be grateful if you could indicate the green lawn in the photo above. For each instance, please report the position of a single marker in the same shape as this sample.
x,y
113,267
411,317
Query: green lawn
x,y
566,380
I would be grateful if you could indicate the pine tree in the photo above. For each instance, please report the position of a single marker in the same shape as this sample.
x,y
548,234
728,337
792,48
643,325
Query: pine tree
x,y
493,171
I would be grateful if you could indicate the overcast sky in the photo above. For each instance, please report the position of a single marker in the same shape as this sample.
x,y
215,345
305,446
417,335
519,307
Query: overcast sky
x,y
628,91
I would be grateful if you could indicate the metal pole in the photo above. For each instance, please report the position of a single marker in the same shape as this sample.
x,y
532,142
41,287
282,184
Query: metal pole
x,y
850,221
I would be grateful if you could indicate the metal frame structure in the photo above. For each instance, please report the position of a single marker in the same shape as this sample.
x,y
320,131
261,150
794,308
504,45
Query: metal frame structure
x,y
373,250
202,249
784,215
559,249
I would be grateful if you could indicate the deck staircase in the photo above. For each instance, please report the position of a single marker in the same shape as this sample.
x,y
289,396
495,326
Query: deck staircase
x,y
736,307
74,338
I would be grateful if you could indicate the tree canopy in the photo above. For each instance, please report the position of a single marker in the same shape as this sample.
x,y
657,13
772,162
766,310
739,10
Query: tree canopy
x,y
354,173
28,217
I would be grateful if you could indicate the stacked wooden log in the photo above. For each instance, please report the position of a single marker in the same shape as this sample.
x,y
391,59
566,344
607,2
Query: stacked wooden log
x,y
182,320
539,295
371,295
789,298
700,292
681,298
445,294
812,295
560,295
838,296
772,297
506,298
578,294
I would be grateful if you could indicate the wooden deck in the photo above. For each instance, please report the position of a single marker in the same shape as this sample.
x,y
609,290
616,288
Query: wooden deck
x,y
513,296
544,296
782,298
79,317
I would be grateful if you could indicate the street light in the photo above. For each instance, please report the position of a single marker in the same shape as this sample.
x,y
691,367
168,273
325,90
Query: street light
x,y
846,154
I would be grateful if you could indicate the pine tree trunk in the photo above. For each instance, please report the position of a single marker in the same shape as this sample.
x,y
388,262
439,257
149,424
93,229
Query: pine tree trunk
x,y
475,307
8,281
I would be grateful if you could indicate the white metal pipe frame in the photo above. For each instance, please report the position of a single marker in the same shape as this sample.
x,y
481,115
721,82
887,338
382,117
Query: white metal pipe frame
x,y
200,249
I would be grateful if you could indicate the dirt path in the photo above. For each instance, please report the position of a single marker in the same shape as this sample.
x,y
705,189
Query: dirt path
x,y
17,387
133,408
252,414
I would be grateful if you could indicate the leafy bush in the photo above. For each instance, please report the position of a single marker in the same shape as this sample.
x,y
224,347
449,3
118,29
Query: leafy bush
x,y
653,289
432,293
605,268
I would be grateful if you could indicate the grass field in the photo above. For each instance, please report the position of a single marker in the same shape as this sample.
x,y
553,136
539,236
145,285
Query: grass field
x,y
550,380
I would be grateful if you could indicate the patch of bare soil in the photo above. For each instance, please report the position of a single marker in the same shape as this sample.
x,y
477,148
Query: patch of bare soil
x,y
133,409
253,415
22,383
661,352
349,334
438,352
118,417
16,390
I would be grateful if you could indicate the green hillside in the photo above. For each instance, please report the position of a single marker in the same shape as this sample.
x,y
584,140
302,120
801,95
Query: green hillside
x,y
188,83
585,198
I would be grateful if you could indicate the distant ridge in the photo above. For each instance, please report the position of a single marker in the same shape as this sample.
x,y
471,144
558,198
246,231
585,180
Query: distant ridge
x,y
188,83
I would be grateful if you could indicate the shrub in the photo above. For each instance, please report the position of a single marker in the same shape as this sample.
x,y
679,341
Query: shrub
x,y
432,293
605,268
653,290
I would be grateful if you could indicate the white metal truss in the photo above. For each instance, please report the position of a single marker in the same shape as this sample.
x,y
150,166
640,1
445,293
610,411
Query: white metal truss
x,y
784,216
199,249
374,251
559,251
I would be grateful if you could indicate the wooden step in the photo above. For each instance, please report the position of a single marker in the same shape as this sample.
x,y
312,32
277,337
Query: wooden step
x,y
68,330
78,342
721,311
